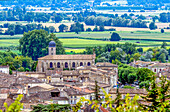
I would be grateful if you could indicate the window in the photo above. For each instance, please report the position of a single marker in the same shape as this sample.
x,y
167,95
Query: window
x,y
51,49
55,94
74,101
58,65
75,97
51,53
66,65
91,98
81,63
51,65
155,70
88,64
73,64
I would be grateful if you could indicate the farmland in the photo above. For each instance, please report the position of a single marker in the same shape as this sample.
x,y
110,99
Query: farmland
x,y
78,42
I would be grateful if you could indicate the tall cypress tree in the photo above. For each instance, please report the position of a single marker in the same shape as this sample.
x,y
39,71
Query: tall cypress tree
x,y
157,95
97,91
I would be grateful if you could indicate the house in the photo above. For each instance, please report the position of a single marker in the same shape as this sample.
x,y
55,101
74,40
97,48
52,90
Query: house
x,y
44,97
74,93
4,69
158,67
165,73
141,64
124,92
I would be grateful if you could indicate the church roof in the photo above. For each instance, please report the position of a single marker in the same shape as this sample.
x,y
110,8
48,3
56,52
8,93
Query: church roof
x,y
52,44
67,57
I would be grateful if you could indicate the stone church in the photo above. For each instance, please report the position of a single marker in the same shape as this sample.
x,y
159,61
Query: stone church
x,y
54,62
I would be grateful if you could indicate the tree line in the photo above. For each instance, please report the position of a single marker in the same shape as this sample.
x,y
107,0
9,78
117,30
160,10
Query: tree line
x,y
17,62
128,52
18,28
89,17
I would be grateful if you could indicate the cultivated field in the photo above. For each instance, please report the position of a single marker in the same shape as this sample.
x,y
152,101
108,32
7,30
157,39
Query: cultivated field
x,y
68,23
137,12
78,42
138,35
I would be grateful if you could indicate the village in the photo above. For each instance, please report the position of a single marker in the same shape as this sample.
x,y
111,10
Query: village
x,y
64,79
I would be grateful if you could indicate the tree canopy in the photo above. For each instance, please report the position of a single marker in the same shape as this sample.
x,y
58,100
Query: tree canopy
x,y
35,44
115,37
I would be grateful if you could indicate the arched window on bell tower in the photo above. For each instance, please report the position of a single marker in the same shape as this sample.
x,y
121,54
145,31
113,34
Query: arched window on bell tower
x,y
52,48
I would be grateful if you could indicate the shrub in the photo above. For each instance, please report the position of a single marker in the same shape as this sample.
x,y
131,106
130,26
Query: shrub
x,y
162,30
152,26
88,29
115,37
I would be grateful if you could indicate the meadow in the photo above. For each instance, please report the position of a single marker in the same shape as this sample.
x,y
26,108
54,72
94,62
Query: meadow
x,y
78,42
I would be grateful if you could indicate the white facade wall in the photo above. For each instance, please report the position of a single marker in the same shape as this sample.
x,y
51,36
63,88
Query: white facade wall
x,y
4,70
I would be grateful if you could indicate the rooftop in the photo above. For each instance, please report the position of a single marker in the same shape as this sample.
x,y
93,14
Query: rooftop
x,y
67,57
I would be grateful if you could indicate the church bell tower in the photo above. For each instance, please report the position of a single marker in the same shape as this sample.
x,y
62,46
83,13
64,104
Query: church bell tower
x,y
52,48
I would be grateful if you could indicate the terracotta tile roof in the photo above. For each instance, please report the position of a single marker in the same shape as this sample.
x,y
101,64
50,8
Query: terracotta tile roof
x,y
44,95
36,89
160,65
6,81
4,66
69,73
105,64
130,91
103,85
50,72
84,90
4,90
27,80
2,101
67,57
71,92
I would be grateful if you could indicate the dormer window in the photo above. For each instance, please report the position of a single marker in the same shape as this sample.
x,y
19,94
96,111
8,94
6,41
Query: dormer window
x,y
55,94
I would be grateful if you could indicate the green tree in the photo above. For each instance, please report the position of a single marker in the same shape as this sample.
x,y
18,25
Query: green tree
x,y
162,30
95,29
97,91
157,96
140,50
115,37
144,74
52,29
10,71
136,56
131,78
16,106
164,44
162,58
57,18
34,44
21,69
152,26
51,108
11,32
17,62
63,28
101,28
77,27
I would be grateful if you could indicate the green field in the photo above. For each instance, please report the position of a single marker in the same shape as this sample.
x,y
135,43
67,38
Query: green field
x,y
9,42
142,35
78,42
